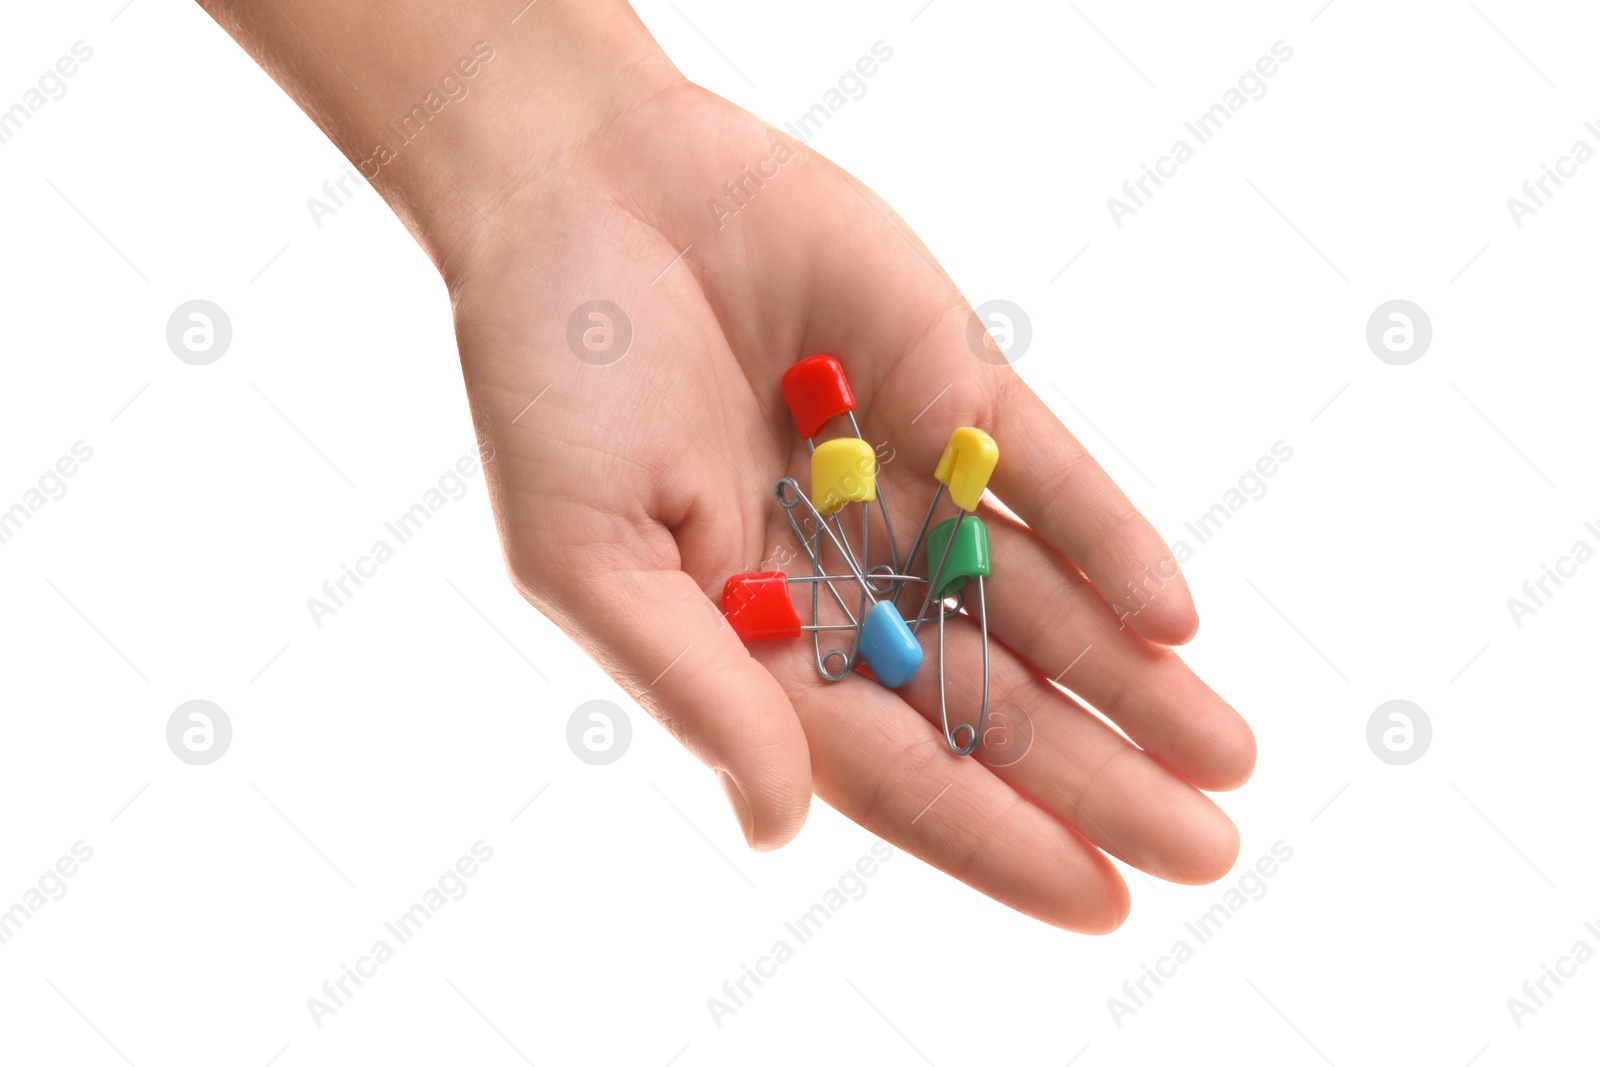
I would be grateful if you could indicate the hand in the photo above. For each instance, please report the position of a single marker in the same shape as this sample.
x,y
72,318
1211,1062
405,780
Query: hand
x,y
630,491
583,166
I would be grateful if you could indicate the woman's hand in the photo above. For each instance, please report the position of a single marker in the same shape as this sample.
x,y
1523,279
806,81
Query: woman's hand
x,y
630,491
636,453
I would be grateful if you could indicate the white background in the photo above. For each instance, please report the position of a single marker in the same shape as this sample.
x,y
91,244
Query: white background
x,y
369,754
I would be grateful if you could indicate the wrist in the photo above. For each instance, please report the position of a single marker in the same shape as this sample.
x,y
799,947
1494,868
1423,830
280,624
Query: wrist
x,y
465,179
452,112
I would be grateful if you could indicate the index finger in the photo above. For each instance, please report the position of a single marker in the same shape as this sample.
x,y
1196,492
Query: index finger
x,y
918,378
1049,479
1044,475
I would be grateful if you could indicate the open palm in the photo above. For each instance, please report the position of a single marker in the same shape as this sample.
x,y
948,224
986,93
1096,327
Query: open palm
x,y
634,486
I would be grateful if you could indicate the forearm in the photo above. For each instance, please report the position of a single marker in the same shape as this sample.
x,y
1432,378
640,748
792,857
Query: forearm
x,y
450,109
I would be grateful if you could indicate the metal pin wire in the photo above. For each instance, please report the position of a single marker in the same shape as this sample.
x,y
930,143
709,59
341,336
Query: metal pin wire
x,y
983,708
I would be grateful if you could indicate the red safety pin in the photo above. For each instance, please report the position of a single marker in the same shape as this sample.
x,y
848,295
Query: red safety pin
x,y
842,469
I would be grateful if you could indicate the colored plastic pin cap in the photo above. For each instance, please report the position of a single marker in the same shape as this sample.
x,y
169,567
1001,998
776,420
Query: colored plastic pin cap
x,y
888,646
968,460
757,606
843,470
817,391
968,558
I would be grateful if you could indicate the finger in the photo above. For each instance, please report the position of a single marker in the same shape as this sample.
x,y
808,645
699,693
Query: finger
x,y
918,377
1044,475
657,633
1043,608
1071,763
1056,487
880,763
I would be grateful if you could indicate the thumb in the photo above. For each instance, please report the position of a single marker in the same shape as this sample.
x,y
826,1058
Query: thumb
x,y
660,636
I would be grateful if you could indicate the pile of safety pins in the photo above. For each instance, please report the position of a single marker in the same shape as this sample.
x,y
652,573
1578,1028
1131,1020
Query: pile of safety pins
x,y
844,471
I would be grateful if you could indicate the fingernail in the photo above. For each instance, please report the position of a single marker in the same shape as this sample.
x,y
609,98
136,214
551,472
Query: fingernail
x,y
741,807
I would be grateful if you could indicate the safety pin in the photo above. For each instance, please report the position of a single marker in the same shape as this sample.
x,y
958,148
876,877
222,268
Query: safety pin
x,y
963,551
818,577
842,470
964,469
958,550
813,551
817,391
758,608
884,641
